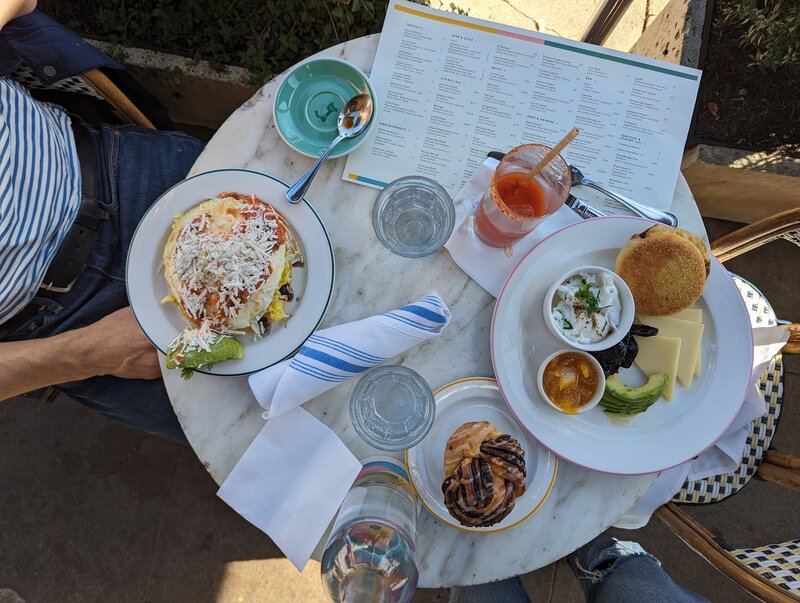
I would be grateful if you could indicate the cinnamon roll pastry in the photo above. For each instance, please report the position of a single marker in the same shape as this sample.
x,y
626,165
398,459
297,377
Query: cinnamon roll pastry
x,y
484,474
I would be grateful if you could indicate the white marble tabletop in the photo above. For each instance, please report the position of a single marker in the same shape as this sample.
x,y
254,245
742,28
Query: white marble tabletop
x,y
221,417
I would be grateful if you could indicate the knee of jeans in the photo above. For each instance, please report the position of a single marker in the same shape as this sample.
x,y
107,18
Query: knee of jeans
x,y
596,576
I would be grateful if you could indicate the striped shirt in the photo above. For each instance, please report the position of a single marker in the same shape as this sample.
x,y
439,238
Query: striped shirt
x,y
40,186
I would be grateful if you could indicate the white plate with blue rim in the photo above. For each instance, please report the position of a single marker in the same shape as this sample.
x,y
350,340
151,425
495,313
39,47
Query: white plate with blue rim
x,y
312,283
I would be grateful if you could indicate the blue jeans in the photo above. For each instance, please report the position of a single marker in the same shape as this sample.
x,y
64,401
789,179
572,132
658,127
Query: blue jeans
x,y
608,574
134,166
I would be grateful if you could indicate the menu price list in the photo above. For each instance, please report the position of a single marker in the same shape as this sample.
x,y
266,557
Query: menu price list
x,y
449,92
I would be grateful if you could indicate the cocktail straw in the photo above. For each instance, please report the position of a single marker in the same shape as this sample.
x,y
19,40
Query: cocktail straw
x,y
553,152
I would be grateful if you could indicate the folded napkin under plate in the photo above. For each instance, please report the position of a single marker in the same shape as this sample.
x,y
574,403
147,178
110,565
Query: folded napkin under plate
x,y
292,479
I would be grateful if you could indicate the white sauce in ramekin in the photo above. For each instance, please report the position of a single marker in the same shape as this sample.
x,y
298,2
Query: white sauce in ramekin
x,y
587,307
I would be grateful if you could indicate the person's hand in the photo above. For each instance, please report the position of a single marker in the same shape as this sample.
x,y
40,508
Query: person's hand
x,y
118,347
11,9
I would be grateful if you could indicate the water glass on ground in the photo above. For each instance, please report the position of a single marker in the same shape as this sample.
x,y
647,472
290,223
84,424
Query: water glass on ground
x,y
392,408
514,204
370,556
413,216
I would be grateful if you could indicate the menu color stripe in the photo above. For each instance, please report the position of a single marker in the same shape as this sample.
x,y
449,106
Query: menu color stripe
x,y
622,60
443,19
371,181
537,40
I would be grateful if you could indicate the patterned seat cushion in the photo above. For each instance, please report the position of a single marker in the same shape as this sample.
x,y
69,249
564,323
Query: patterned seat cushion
x,y
25,76
778,563
762,430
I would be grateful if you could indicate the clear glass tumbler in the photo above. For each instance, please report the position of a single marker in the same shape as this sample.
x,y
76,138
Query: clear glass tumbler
x,y
392,408
413,216
514,204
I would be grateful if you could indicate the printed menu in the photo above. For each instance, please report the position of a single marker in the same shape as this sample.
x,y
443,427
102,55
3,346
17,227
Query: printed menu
x,y
451,88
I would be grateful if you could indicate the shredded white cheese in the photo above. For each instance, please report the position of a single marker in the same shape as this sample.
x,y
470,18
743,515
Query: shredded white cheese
x,y
216,268
191,340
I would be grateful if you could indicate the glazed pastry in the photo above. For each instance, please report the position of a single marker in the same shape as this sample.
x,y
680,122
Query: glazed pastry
x,y
484,474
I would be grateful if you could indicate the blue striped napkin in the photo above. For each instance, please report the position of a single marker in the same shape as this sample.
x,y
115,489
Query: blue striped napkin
x,y
334,355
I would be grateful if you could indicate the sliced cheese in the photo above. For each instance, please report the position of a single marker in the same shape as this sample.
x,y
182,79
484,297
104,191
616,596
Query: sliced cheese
x,y
694,315
659,354
690,334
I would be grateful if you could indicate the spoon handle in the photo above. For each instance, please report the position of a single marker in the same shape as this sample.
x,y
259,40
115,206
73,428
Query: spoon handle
x,y
299,188
643,210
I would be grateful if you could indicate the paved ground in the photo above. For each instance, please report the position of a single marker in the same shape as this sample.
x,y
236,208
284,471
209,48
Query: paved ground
x,y
92,511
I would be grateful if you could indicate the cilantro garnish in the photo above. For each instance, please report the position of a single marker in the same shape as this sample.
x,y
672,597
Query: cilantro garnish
x,y
589,299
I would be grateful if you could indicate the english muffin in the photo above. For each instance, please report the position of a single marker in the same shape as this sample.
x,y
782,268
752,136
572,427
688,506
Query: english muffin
x,y
665,268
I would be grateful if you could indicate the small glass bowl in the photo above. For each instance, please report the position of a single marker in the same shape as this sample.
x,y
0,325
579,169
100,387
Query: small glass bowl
x,y
413,216
392,408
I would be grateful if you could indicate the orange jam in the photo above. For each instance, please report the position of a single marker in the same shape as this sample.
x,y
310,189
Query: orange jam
x,y
570,381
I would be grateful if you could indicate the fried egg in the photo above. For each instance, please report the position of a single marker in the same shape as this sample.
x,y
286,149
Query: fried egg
x,y
228,261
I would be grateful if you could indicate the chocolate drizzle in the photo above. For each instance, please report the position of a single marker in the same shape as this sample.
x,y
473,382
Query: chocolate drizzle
x,y
483,488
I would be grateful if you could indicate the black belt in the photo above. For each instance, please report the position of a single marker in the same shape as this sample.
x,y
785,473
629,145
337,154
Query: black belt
x,y
73,253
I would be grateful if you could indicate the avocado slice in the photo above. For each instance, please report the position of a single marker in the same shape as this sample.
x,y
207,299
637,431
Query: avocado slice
x,y
619,398
223,348
650,391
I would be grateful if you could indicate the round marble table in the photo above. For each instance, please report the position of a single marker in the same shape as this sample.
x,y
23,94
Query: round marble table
x,y
221,417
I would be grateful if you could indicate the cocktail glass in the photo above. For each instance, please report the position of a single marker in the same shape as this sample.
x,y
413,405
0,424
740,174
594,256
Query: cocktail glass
x,y
514,204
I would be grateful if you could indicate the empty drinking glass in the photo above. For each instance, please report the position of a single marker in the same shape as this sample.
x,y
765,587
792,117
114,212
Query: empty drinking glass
x,y
392,408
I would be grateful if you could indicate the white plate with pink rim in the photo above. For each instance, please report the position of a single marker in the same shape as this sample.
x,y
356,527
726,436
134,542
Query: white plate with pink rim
x,y
312,283
477,399
668,433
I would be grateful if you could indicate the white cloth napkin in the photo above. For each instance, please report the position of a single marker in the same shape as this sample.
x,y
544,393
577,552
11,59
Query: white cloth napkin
x,y
726,454
489,266
290,482
339,353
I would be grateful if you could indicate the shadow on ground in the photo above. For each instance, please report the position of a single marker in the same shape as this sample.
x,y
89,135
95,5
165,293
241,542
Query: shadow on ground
x,y
92,511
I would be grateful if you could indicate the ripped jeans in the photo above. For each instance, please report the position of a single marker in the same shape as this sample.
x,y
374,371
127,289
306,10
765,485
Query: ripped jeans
x,y
610,572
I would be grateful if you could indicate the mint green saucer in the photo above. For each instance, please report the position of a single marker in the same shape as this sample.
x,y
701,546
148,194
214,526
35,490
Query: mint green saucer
x,y
308,102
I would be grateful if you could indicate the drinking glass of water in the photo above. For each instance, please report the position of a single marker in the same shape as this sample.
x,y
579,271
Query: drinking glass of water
x,y
370,556
392,408
413,216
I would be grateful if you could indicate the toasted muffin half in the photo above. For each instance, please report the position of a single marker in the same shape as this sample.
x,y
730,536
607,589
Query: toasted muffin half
x,y
665,268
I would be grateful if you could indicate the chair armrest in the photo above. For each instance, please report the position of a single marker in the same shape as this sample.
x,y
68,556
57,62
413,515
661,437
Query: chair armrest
x,y
756,234
793,345
782,459
116,98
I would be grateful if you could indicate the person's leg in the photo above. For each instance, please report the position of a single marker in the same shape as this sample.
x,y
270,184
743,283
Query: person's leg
x,y
504,591
613,571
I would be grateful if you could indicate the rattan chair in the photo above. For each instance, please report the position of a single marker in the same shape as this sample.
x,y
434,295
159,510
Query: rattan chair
x,y
771,572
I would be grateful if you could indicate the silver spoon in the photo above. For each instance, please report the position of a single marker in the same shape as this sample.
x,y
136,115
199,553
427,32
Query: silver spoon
x,y
353,120
641,210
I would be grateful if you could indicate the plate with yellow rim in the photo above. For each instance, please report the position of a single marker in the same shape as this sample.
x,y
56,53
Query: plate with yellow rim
x,y
477,399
